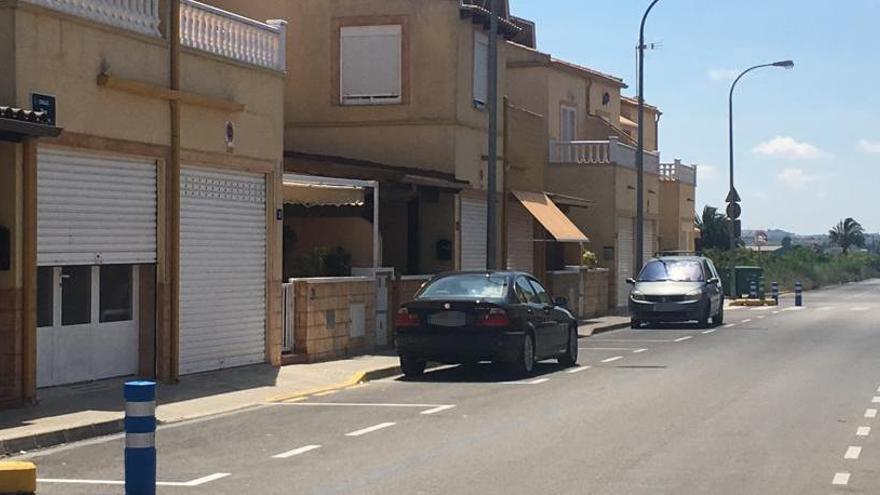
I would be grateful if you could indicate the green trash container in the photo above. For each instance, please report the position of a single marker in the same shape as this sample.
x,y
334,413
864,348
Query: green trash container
x,y
744,277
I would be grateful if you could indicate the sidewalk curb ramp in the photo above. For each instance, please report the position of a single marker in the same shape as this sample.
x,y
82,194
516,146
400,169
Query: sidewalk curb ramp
x,y
18,478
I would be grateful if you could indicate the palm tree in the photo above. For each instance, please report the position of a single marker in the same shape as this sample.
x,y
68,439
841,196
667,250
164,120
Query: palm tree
x,y
714,227
846,234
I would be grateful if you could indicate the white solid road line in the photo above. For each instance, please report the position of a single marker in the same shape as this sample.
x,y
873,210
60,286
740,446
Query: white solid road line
x,y
860,308
578,369
840,479
612,359
863,431
608,348
639,351
682,339
707,332
291,453
369,429
852,453
730,325
437,409
359,404
197,482
871,413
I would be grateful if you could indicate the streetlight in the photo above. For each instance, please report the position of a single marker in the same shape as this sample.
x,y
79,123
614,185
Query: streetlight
x,y
734,210
640,149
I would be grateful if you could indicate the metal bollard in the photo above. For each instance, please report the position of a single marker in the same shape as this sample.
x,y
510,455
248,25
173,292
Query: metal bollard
x,y
762,289
140,438
753,290
774,288
798,294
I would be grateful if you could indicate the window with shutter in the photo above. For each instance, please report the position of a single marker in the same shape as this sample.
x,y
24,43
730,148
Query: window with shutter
x,y
568,127
481,69
370,65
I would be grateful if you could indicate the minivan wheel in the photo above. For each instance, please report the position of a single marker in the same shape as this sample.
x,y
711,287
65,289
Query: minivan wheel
x,y
524,364
412,367
570,357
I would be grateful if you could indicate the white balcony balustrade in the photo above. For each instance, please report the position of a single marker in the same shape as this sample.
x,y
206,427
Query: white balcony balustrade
x,y
611,151
140,16
222,33
680,172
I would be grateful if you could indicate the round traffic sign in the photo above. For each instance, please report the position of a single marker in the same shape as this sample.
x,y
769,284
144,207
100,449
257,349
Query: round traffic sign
x,y
734,211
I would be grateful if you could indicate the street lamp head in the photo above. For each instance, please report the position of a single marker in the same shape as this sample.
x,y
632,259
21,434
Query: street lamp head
x,y
785,64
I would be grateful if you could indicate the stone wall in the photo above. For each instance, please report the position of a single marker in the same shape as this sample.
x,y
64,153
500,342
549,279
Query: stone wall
x,y
323,317
11,313
567,284
596,292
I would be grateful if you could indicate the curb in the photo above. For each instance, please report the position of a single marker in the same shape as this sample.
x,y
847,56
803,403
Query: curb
x,y
355,379
53,438
605,328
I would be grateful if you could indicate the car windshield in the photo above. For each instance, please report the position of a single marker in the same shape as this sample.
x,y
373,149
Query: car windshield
x,y
466,286
672,271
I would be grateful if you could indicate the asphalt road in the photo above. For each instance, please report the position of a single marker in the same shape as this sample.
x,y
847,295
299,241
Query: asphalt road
x,y
777,402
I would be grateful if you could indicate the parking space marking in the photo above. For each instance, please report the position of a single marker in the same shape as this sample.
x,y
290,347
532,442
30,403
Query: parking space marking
x,y
608,348
878,390
795,308
730,325
370,429
631,340
578,369
612,359
526,382
682,339
840,479
707,332
437,409
747,320
852,453
871,413
639,351
863,431
876,400
295,452
196,482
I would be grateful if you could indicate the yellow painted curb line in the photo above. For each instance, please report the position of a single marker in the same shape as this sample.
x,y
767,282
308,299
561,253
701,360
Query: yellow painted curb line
x,y
18,477
753,302
359,377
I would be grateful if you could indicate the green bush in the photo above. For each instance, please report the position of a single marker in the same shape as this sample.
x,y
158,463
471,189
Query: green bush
x,y
800,264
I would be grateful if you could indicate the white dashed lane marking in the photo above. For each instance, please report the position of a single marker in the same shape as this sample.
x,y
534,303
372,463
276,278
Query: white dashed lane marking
x,y
863,431
612,359
747,320
707,332
639,351
370,429
526,382
578,369
295,452
876,400
437,410
730,325
682,339
852,453
871,413
840,479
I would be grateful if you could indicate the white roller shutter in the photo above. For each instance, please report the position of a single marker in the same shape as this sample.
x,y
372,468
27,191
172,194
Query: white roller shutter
x,y
473,234
520,239
94,210
650,240
625,257
222,270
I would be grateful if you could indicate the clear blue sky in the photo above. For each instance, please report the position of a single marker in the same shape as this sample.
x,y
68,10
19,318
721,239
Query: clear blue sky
x,y
808,140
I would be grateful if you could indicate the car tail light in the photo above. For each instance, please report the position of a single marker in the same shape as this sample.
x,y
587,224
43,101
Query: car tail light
x,y
405,319
496,317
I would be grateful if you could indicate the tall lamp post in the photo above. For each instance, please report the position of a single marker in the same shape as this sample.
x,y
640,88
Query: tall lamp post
x,y
734,210
640,149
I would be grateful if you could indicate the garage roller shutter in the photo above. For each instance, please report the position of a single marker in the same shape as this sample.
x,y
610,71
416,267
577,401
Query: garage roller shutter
x,y
625,257
473,234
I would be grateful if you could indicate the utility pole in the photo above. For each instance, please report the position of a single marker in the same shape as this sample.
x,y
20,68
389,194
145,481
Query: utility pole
x,y
491,193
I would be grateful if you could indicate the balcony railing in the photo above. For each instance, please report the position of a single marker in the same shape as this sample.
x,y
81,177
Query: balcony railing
x,y
140,16
611,151
680,172
202,27
229,35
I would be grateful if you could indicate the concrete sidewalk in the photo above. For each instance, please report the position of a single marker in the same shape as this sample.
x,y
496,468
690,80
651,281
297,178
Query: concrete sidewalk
x,y
78,412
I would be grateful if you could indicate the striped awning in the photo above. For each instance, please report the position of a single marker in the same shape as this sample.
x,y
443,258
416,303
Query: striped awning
x,y
305,194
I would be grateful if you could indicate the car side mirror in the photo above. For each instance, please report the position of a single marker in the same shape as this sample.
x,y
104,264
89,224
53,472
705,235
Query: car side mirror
x,y
714,281
631,281
561,302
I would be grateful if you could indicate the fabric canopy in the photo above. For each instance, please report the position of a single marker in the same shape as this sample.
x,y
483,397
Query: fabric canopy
x,y
550,216
625,122
322,195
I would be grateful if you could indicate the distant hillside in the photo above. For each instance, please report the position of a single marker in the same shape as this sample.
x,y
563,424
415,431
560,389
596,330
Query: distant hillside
x,y
774,236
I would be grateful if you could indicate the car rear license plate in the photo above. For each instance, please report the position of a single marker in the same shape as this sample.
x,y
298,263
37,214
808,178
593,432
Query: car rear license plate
x,y
448,319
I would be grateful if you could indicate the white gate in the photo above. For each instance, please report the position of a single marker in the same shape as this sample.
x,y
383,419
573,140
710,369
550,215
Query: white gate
x,y
625,257
473,233
222,270
520,239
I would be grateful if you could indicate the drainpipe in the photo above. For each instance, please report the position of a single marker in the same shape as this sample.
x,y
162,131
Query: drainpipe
x,y
376,260
505,184
173,189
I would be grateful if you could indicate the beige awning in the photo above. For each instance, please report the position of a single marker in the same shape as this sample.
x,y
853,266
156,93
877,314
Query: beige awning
x,y
550,216
625,122
322,195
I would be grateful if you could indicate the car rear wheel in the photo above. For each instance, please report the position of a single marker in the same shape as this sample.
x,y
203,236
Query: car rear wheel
x,y
570,357
524,365
412,367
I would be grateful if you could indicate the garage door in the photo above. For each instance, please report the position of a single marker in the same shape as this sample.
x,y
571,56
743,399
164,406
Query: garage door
x,y
520,239
625,257
222,270
473,234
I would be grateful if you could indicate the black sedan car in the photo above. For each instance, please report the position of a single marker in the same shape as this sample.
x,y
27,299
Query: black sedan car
x,y
467,317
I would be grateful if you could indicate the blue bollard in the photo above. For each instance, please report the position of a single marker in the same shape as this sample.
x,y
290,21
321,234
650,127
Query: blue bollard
x,y
798,294
140,438
774,288
753,290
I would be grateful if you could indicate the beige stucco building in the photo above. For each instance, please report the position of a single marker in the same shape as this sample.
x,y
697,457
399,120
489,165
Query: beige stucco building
x,y
678,184
142,223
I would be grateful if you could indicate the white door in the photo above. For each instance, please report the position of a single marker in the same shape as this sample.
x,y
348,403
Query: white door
x,y
222,270
625,257
96,221
520,239
473,233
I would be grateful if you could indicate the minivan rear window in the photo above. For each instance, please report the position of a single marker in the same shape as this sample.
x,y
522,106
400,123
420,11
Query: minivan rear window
x,y
672,271
466,286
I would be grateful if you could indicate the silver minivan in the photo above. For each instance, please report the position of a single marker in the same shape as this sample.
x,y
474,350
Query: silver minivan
x,y
677,289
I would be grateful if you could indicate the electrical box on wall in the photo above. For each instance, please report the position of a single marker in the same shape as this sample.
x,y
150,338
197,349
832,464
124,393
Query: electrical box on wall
x,y
5,249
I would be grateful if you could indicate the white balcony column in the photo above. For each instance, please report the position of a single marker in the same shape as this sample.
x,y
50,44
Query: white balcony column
x,y
281,48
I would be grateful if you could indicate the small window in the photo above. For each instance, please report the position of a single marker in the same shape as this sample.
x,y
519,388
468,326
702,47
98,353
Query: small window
x,y
568,124
116,293
543,296
76,295
524,292
481,69
370,65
